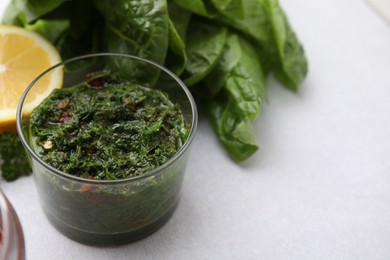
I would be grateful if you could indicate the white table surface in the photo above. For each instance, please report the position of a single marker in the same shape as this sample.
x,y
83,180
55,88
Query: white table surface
x,y
319,188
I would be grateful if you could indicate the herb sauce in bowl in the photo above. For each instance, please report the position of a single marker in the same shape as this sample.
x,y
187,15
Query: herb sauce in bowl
x,y
109,149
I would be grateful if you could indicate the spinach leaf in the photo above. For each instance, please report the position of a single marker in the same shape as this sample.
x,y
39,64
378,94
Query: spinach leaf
x,y
180,18
36,8
200,7
239,81
240,73
71,26
234,132
221,4
205,44
136,27
176,57
178,22
84,17
291,66
140,28
83,35
70,47
278,47
50,29
245,83
30,10
229,59
229,8
254,23
214,82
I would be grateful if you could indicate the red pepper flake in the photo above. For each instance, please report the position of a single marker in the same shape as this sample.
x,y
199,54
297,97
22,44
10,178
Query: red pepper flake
x,y
86,187
64,106
96,83
65,118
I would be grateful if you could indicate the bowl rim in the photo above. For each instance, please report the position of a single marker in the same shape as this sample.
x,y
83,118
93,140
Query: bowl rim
x,y
155,171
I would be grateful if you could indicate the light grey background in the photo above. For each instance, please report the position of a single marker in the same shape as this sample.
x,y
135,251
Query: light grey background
x,y
319,188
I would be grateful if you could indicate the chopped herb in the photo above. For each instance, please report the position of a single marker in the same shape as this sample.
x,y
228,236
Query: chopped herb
x,y
14,159
106,130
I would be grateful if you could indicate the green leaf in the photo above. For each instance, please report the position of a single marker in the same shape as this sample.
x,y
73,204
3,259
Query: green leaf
x,y
37,8
178,23
84,18
176,57
291,67
240,75
240,72
245,83
254,23
234,132
221,4
136,27
84,33
200,7
230,58
180,18
70,47
30,10
230,8
278,47
205,44
50,29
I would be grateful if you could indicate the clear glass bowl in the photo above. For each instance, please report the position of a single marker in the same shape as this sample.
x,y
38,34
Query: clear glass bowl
x,y
11,234
111,212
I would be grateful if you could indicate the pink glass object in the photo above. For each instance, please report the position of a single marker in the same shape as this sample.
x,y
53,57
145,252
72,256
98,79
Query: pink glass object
x,y
11,234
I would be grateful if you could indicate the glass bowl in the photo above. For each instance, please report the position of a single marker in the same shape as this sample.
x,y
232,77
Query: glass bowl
x,y
110,212
11,234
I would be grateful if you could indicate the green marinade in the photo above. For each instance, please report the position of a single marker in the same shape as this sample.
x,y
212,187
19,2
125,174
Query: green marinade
x,y
106,129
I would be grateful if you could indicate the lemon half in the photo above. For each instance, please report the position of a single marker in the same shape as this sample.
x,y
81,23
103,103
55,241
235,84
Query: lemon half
x,y
23,56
